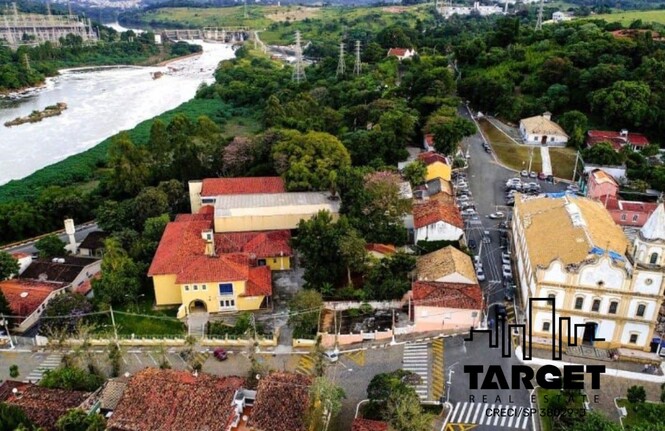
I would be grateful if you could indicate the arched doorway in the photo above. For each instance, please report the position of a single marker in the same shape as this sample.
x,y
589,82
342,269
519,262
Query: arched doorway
x,y
198,306
589,336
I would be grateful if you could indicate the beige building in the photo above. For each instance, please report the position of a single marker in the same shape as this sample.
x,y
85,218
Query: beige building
x,y
542,130
569,249
447,265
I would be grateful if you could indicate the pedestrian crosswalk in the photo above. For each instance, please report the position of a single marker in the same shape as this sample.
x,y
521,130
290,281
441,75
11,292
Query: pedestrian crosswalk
x,y
416,360
437,369
490,415
51,362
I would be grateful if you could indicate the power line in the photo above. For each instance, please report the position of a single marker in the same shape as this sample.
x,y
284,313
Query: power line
x,y
299,68
539,22
341,66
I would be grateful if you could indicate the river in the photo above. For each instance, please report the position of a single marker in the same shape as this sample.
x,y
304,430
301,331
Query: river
x,y
101,103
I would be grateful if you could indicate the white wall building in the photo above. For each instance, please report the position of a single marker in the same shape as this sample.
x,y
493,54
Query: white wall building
x,y
541,130
569,249
448,11
435,220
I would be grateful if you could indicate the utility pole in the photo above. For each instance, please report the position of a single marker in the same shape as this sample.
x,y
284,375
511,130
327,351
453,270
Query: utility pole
x,y
539,22
299,68
577,159
357,65
341,66
115,329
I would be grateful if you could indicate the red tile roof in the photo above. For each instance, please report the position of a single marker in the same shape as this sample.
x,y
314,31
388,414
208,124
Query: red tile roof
x,y
448,295
434,211
44,406
596,136
259,282
430,157
25,296
381,248
398,52
20,255
170,400
86,287
612,203
261,244
282,400
360,424
242,186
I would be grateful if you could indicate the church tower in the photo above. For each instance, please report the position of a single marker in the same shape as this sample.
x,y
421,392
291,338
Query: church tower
x,y
649,245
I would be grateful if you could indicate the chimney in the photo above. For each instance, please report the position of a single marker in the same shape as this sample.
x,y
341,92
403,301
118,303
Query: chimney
x,y
209,239
547,115
70,230
624,133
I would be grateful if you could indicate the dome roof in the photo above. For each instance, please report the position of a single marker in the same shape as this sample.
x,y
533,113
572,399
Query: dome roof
x,y
654,228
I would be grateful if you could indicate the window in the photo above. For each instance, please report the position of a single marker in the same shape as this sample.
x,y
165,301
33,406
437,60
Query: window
x,y
204,287
535,138
552,296
227,303
635,217
613,307
225,288
274,261
579,303
474,314
186,288
623,217
633,339
546,326
551,138
261,262
653,259
196,287
205,201
641,309
596,305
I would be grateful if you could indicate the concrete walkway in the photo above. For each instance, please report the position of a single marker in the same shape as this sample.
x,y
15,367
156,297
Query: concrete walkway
x,y
547,163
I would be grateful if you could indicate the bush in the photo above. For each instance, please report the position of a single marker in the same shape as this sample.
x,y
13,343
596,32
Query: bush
x,y
72,379
636,394
13,371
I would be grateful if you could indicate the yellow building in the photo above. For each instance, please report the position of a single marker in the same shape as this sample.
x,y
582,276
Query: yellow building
x,y
201,270
437,166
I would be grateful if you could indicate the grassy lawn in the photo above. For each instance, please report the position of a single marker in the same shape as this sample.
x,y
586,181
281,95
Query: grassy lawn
x,y
144,320
636,416
546,398
208,17
625,18
509,153
563,162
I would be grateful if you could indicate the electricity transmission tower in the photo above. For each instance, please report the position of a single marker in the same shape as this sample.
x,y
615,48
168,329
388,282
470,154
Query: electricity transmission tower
x,y
299,68
356,63
539,22
341,66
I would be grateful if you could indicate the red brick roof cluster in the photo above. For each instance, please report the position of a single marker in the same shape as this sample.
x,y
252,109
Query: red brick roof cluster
x,y
25,296
447,295
597,136
170,400
434,211
281,402
260,244
181,251
44,406
242,186
429,157
381,248
360,424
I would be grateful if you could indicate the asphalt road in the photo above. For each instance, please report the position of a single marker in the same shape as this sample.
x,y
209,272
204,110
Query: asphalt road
x,y
29,246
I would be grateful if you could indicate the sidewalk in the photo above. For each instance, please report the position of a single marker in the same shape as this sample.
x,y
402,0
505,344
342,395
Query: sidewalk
x,y
545,160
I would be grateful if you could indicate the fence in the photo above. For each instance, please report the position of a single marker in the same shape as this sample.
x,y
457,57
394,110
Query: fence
x,y
377,305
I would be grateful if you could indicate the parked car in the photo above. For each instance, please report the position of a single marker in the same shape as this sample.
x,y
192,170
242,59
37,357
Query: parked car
x,y
488,150
331,355
505,258
508,295
497,215
504,225
573,188
472,244
476,259
532,174
468,212
524,173
510,202
463,198
500,311
542,176
480,274
220,354
550,179
507,271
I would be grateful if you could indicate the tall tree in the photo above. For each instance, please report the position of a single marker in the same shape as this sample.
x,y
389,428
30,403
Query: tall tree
x,y
50,246
449,133
602,154
325,398
8,265
352,250
304,311
121,276
129,169
575,124
415,172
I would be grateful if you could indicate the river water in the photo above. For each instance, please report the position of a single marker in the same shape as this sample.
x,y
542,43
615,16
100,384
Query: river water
x,y
101,103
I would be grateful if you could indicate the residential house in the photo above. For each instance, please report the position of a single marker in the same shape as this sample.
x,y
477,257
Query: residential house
x,y
281,404
42,406
93,244
601,185
616,172
569,249
618,140
192,267
439,306
170,400
401,53
542,130
428,142
360,424
28,299
436,220
380,251
446,265
205,192
438,166
560,16
73,271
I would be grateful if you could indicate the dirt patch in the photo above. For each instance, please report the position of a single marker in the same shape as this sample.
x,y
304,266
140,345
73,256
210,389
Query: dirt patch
x,y
294,14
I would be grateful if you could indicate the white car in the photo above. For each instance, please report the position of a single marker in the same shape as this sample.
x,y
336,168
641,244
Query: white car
x,y
463,198
507,271
331,355
468,212
505,259
480,275
524,173
462,185
476,259
497,215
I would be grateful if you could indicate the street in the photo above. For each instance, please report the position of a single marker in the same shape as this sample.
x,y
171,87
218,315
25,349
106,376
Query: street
x,y
29,246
